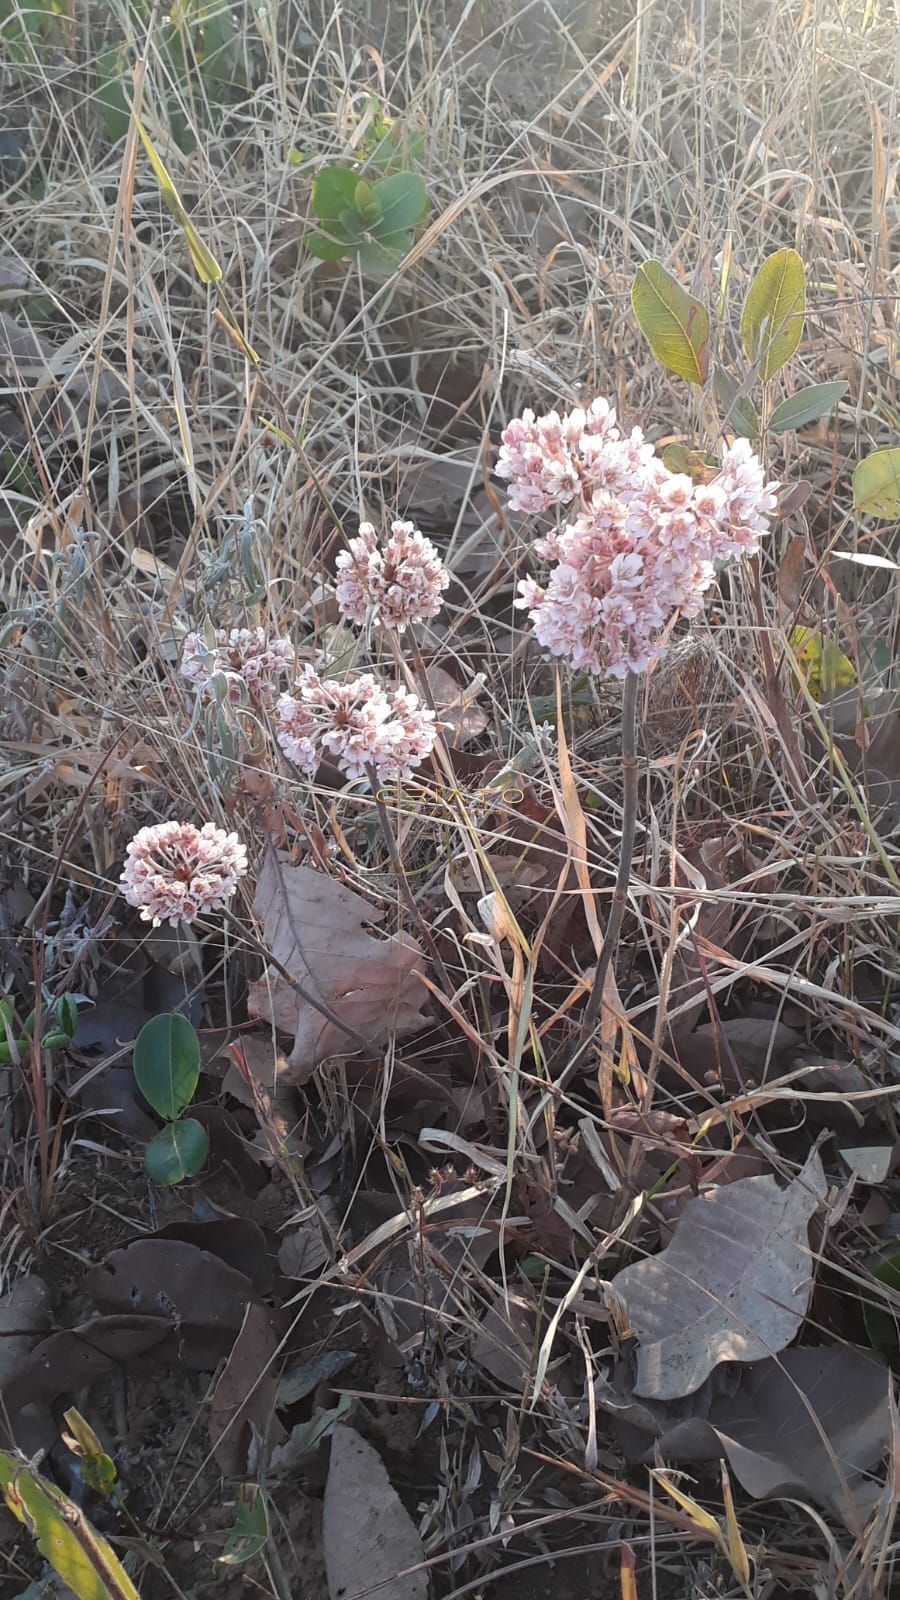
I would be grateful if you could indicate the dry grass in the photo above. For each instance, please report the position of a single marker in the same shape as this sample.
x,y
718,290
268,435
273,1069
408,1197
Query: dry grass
x,y
154,476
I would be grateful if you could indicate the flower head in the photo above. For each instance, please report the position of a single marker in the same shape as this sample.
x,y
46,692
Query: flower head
x,y
175,872
402,582
643,542
251,663
357,722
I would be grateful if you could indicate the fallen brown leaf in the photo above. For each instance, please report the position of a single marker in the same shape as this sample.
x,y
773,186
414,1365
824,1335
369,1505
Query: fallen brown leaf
x,y
317,929
369,1538
243,1404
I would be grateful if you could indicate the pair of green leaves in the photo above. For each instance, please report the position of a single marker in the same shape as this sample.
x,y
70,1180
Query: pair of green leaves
x,y
167,1069
372,221
677,328
59,1026
676,325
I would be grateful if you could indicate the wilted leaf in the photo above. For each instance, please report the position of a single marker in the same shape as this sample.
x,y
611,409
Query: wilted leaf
x,y
318,930
300,1382
733,1285
74,1358
456,706
205,264
243,1404
807,405
504,1343
772,1430
24,1317
675,325
790,573
303,1251
369,1538
165,1278
306,1437
773,314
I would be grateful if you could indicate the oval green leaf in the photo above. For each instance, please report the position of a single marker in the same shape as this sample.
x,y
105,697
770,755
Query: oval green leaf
x,y
675,325
326,249
876,485
403,199
688,460
167,1063
773,314
383,256
807,405
333,191
178,1152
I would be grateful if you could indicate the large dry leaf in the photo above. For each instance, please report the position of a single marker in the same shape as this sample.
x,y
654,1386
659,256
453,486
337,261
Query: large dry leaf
x,y
318,930
368,1536
811,1423
733,1285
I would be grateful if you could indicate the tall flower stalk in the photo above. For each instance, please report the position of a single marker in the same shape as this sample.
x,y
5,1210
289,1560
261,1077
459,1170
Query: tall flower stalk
x,y
642,546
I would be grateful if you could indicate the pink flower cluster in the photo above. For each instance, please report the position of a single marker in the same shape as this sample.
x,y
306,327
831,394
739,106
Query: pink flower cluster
x,y
251,663
357,722
644,541
175,872
396,585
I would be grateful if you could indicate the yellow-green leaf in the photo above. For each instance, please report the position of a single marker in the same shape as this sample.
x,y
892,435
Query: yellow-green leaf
x,y
205,264
876,485
81,1556
675,325
773,314
824,665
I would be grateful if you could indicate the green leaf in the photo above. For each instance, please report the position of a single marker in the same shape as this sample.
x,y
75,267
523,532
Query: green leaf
x,y
403,199
876,485
67,1013
112,95
327,249
178,1152
694,463
333,190
824,664
99,1469
882,1325
205,264
675,325
167,1063
807,405
383,256
739,414
773,314
64,1536
248,1537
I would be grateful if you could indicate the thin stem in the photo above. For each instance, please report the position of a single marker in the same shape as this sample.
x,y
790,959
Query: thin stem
x,y
623,875
409,900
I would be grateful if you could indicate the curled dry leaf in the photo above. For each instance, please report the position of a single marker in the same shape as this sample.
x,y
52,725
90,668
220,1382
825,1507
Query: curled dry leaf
x,y
456,706
317,929
369,1538
733,1285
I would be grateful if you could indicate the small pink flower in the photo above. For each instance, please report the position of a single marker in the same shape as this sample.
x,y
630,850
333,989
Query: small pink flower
x,y
357,723
248,660
399,584
175,872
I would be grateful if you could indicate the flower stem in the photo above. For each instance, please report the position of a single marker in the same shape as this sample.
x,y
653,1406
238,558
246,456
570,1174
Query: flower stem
x,y
623,874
